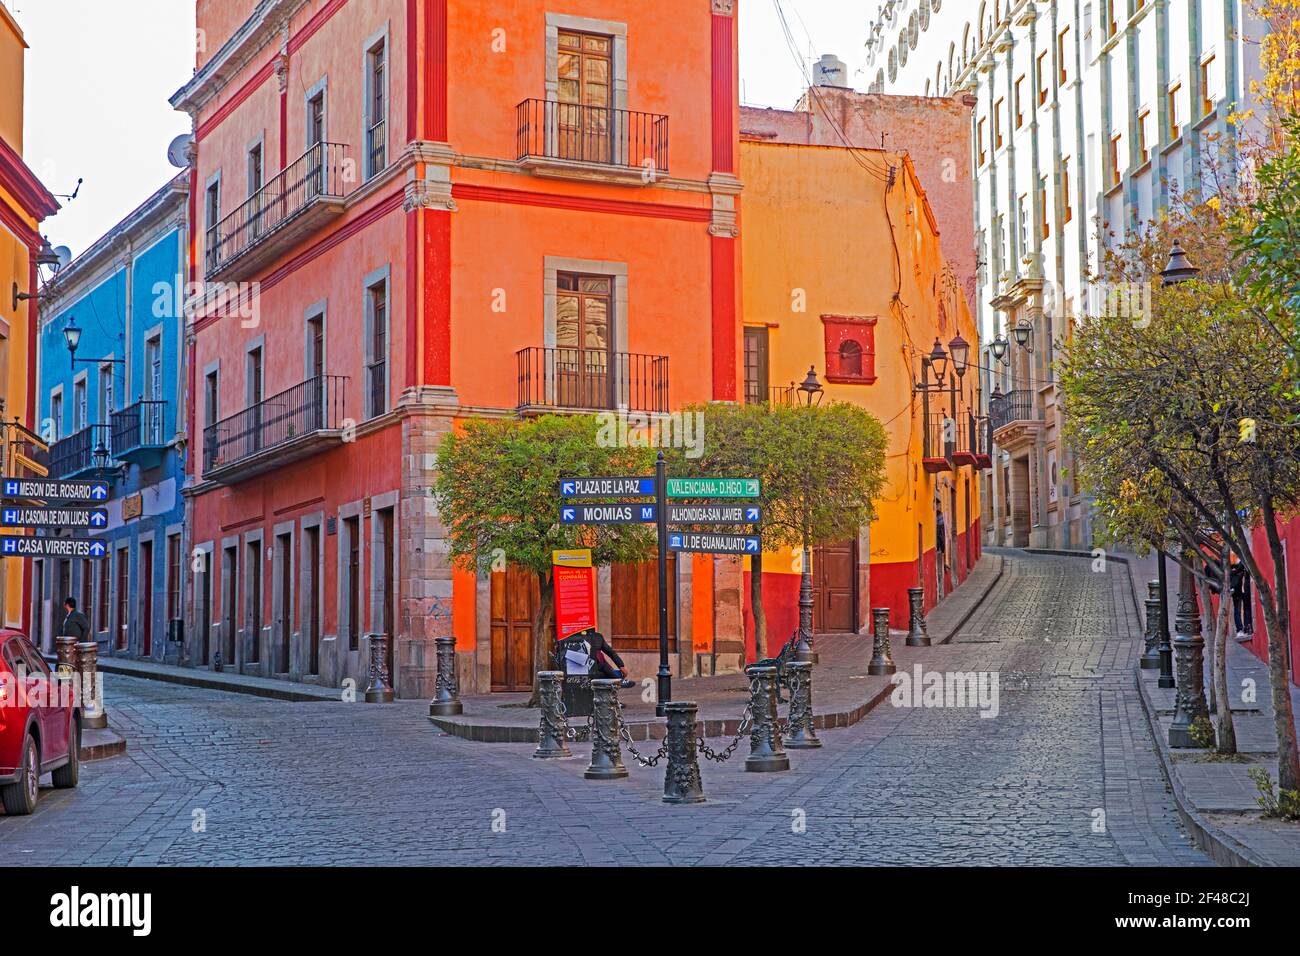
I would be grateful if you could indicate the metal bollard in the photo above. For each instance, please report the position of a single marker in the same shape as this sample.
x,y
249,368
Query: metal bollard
x,y
1190,707
93,715
682,782
551,731
1151,653
882,662
606,751
917,635
446,688
801,733
380,691
765,751
66,648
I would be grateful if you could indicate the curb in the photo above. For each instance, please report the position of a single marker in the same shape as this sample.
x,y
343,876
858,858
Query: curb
x,y
100,744
1220,847
197,678
728,727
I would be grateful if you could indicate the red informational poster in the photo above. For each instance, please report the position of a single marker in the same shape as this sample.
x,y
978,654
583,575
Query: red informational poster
x,y
575,593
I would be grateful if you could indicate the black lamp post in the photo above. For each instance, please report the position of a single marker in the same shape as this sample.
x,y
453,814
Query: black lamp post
x,y
999,348
1179,269
46,258
810,393
72,337
1023,333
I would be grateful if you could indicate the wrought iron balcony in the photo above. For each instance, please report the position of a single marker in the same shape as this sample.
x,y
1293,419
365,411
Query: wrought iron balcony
x,y
141,432
77,454
573,378
756,394
564,139
23,454
308,191
376,149
1017,405
377,388
284,428
939,441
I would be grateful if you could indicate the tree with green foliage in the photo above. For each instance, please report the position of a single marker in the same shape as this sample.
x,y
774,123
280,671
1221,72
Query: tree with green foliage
x,y
820,470
497,491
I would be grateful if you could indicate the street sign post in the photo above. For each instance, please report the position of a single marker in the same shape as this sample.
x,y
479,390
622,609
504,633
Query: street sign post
x,y
22,546
46,489
608,514
713,488
714,514
715,543
16,516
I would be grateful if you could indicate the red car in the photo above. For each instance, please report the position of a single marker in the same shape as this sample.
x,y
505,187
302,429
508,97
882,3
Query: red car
x,y
40,726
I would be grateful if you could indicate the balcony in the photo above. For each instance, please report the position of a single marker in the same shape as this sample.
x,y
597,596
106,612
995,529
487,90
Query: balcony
x,y
142,432
570,140
967,439
940,443
298,201
576,379
295,424
376,149
22,452
758,394
74,456
1015,418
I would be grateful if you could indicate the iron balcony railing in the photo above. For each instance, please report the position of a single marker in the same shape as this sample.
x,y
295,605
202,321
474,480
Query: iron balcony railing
x,y
755,394
1013,406
319,173
77,453
592,378
377,148
599,135
941,436
311,406
23,454
377,388
145,424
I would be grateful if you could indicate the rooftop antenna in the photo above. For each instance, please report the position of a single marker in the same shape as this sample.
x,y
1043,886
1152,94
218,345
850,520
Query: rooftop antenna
x,y
70,196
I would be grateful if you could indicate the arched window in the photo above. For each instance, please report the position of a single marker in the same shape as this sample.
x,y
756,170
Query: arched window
x,y
851,359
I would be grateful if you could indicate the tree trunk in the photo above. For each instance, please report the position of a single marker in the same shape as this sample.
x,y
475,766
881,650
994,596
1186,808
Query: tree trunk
x,y
1226,735
543,633
1209,621
1277,620
756,599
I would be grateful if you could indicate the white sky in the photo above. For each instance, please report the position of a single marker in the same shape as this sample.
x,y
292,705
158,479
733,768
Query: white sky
x,y
99,73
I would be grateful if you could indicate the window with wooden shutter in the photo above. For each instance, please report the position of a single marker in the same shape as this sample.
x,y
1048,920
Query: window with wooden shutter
x,y
850,349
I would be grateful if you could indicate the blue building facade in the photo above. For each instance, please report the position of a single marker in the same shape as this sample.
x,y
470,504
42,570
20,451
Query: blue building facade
x,y
113,408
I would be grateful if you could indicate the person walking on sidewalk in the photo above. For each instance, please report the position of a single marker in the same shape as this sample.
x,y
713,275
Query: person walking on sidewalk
x,y
75,624
1242,606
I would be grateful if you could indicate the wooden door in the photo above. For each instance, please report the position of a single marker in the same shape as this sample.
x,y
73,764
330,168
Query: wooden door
x,y
583,341
229,599
835,587
513,597
146,592
634,599
313,600
585,94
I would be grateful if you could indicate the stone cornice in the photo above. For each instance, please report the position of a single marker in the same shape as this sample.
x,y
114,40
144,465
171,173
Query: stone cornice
x,y
268,22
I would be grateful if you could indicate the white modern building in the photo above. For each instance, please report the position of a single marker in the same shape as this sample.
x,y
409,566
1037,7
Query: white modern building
x,y
1091,116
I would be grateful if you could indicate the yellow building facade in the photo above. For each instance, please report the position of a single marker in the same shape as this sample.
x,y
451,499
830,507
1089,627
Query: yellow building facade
x,y
24,203
843,272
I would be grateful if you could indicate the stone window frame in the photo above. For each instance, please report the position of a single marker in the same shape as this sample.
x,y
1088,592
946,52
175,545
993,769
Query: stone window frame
x,y
135,642
317,310
320,88
208,550
618,272
383,274
249,347
280,603
256,536
614,29
389,500
382,35
347,512
315,519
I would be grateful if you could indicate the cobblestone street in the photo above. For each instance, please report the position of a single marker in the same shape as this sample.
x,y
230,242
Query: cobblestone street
x,y
1064,774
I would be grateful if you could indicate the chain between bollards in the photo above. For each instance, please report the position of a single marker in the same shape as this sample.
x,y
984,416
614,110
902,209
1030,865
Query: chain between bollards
x,y
917,635
801,732
553,731
882,661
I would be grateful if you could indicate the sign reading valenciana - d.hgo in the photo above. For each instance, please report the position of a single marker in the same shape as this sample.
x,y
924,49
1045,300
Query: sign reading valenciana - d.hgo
x,y
712,488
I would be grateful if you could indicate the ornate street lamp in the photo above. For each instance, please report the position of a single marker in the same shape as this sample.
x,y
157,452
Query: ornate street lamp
x,y
959,348
46,258
1023,333
72,338
810,392
1179,268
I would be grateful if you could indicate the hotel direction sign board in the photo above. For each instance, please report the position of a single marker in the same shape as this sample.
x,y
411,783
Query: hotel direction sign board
x,y
48,489
16,516
23,546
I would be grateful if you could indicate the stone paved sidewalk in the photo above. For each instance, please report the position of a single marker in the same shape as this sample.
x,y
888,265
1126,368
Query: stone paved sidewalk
x,y
1217,799
843,692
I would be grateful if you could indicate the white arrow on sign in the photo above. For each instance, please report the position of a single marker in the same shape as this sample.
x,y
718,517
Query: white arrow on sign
x,y
98,518
568,487
97,548
751,514
99,491
568,514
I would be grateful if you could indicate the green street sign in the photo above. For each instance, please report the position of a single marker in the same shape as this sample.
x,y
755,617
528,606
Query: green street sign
x,y
712,488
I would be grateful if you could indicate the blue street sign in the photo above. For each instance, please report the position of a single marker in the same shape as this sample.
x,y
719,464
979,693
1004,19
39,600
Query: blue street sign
x,y
608,514
714,514
15,516
47,489
715,543
22,546
606,487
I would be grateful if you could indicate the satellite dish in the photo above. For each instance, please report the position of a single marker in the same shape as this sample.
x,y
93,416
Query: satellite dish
x,y
178,150
64,254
